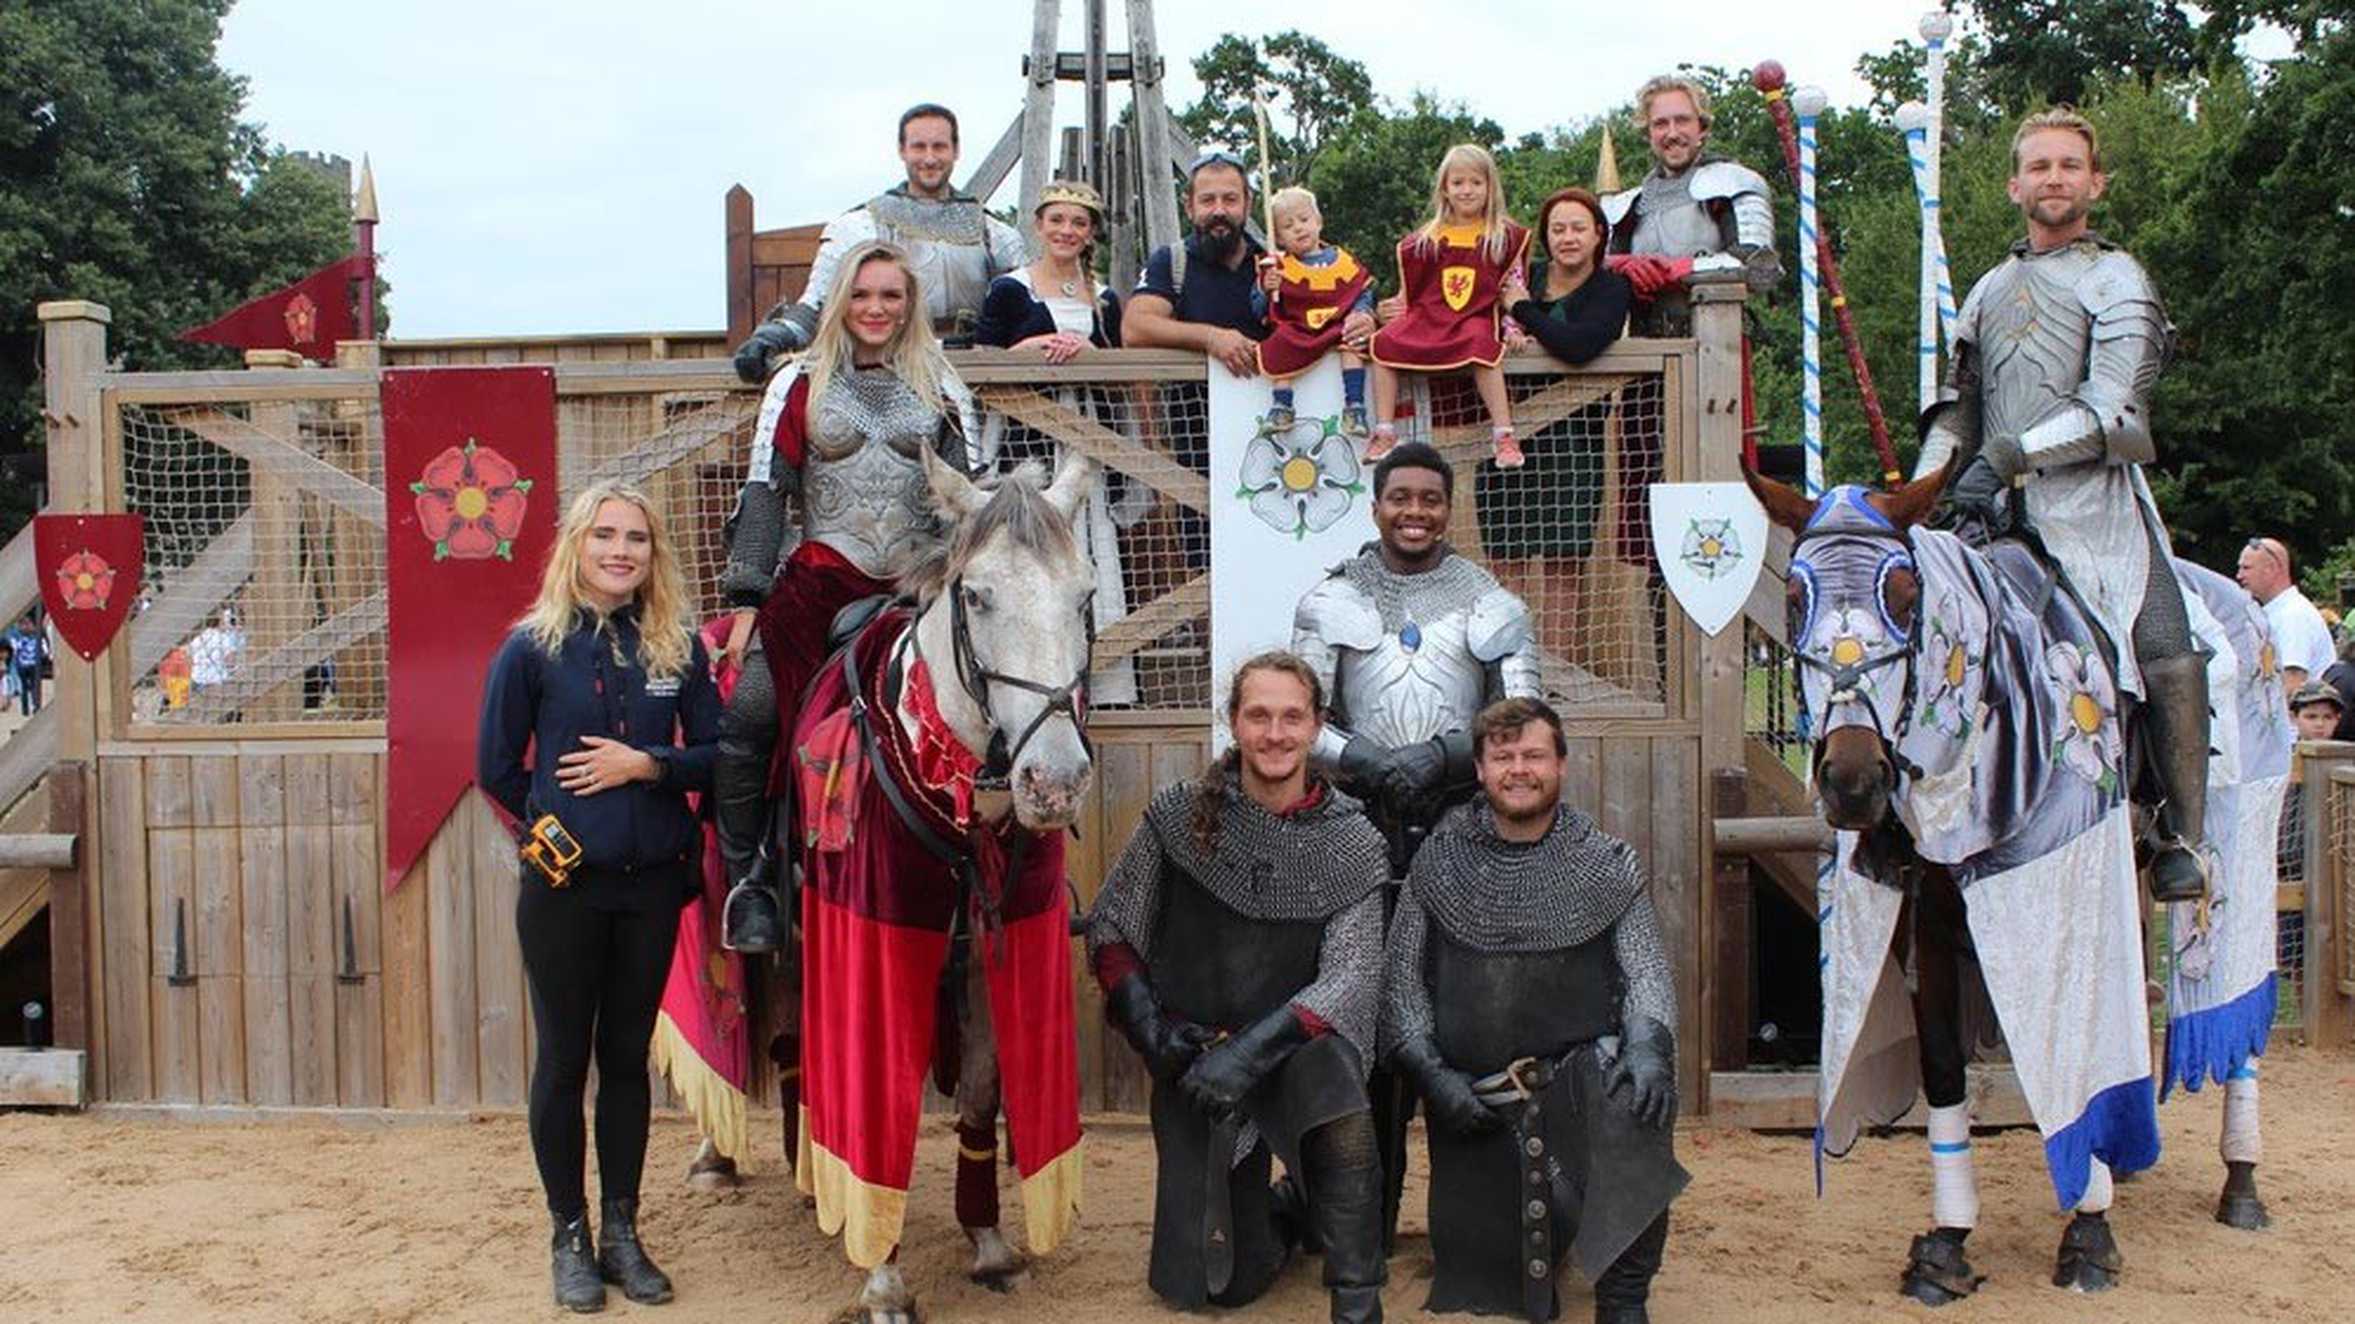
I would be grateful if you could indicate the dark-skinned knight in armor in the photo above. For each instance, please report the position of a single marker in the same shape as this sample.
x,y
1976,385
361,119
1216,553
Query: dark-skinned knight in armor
x,y
1530,1000
2046,420
1238,941
1410,640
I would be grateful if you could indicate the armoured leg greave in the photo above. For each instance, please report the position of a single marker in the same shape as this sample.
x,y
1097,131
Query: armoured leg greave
x,y
2175,744
740,803
1344,1170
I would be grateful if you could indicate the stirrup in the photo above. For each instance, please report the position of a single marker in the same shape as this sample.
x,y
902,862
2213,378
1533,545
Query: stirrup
x,y
751,919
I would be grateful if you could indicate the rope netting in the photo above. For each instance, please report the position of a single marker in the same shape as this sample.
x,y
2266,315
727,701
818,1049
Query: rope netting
x,y
264,578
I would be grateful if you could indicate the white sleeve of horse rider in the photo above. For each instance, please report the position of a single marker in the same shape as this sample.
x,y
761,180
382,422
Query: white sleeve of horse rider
x,y
2108,418
842,234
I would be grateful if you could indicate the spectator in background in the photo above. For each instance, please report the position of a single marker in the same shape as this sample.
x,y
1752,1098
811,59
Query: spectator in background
x,y
2317,709
2299,635
28,647
2340,676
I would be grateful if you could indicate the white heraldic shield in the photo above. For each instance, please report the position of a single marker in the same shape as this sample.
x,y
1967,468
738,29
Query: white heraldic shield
x,y
1710,539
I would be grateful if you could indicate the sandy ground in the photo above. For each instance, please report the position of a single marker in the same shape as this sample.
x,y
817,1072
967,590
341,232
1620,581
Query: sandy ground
x,y
140,1218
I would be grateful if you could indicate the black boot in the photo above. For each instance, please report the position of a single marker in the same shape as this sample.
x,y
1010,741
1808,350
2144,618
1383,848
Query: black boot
x,y
1624,1289
1344,1177
750,920
622,1261
578,1287
2175,739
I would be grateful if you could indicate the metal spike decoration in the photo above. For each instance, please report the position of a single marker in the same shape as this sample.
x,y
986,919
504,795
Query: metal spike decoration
x,y
350,971
180,977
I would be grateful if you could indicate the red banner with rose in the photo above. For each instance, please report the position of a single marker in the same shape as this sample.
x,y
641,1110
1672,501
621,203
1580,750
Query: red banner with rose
x,y
88,566
470,506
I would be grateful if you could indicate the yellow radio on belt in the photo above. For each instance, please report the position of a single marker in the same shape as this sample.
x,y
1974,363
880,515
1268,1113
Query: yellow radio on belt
x,y
552,850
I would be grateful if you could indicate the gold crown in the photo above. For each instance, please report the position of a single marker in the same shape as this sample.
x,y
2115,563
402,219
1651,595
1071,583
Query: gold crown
x,y
1073,192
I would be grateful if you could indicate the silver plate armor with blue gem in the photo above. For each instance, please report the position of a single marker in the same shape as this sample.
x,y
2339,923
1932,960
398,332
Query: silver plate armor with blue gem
x,y
1409,657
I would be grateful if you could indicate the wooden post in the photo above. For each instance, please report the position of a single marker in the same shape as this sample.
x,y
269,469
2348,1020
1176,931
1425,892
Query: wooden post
x,y
356,563
742,316
1156,173
71,994
73,353
1729,884
1038,106
269,615
2326,779
1711,405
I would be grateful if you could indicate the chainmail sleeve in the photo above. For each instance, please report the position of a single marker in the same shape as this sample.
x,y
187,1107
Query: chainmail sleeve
x,y
758,538
1643,964
1406,1000
1131,896
1347,992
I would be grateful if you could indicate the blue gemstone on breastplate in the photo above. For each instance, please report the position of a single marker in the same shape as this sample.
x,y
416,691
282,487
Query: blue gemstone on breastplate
x,y
1410,636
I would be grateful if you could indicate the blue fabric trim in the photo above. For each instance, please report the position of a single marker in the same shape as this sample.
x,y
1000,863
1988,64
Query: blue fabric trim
x,y
2212,1044
1950,1146
2120,1126
2242,1072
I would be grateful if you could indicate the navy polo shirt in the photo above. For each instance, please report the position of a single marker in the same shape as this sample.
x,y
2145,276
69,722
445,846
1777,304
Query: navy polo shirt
x,y
1214,295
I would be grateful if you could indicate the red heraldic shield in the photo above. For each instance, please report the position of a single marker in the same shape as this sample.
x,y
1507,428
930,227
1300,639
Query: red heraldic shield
x,y
307,317
88,566
470,515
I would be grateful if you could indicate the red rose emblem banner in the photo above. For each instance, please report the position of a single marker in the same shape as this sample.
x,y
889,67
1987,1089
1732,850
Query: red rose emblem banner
x,y
470,513
88,566
307,317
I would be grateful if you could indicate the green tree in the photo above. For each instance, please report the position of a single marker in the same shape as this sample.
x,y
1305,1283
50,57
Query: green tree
x,y
128,177
1308,90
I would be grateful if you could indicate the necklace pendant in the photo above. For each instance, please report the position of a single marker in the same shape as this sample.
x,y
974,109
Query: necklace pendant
x,y
1410,637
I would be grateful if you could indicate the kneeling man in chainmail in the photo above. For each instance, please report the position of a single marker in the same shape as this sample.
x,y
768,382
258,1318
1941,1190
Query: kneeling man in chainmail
x,y
1529,998
1239,945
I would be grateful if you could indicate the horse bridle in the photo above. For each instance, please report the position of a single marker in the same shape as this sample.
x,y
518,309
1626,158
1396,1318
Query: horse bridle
x,y
1069,699
1847,680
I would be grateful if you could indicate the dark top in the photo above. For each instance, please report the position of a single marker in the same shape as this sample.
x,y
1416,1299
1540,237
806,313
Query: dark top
x,y
1581,324
594,685
1214,295
2340,676
1011,314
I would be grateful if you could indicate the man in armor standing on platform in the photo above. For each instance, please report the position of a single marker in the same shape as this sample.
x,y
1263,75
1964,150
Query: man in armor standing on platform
x,y
955,246
1411,642
2048,404
1529,999
1692,212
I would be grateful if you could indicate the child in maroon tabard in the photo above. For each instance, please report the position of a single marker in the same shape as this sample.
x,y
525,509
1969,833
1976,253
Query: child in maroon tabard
x,y
1307,292
1451,271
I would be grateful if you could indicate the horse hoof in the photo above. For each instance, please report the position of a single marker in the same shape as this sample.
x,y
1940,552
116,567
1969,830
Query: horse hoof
x,y
1937,1273
2089,1259
2245,1212
713,1174
1002,1280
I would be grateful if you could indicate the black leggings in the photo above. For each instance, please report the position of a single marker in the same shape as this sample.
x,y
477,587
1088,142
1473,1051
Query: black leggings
x,y
596,980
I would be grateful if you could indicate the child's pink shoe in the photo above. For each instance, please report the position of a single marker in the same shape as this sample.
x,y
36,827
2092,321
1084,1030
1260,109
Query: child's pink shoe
x,y
1384,440
1508,450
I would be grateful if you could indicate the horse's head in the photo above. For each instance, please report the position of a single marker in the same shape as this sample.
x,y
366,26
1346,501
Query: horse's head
x,y
1007,620
1852,593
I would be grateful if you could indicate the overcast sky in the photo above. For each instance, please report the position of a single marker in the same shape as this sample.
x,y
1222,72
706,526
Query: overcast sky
x,y
549,167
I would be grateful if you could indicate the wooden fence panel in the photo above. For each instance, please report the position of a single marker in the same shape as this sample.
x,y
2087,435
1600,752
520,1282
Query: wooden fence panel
x,y
265,928
125,920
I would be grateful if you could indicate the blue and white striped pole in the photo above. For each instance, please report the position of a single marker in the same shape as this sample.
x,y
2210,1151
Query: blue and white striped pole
x,y
1937,287
1807,104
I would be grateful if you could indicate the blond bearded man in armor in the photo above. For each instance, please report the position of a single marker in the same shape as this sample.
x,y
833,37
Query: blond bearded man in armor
x,y
2055,354
1693,212
954,246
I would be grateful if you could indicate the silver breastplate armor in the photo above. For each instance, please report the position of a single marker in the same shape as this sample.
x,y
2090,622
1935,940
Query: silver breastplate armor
x,y
1670,223
948,244
862,482
1421,678
2031,334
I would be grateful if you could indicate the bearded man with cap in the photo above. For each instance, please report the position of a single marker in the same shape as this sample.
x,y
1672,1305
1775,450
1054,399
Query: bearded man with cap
x,y
1529,998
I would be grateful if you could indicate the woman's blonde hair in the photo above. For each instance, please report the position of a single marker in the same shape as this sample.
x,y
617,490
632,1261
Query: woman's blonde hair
x,y
1492,236
665,639
914,353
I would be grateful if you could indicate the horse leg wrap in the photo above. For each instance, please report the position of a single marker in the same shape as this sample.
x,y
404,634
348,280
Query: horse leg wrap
x,y
2241,1141
1954,1184
2089,1259
2099,1191
1937,1272
977,1175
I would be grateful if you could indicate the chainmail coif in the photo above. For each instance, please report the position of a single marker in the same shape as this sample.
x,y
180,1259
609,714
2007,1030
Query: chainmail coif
x,y
1492,895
